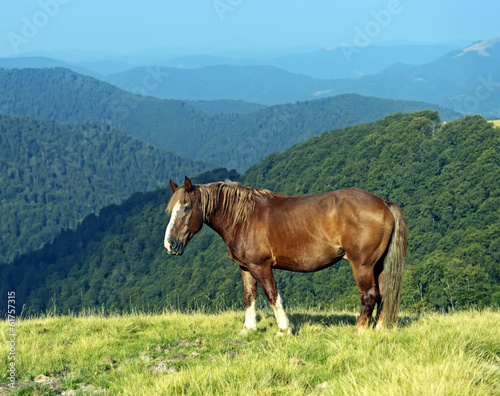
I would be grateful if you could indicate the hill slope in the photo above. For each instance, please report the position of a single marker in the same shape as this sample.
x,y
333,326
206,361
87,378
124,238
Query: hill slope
x,y
229,140
53,175
445,177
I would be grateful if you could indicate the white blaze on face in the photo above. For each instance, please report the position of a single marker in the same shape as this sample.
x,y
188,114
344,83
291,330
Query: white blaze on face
x,y
173,218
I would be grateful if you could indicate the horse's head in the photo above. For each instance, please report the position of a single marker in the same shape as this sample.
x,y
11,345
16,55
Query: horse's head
x,y
186,217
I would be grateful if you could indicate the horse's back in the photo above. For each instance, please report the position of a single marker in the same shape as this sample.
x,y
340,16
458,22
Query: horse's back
x,y
309,233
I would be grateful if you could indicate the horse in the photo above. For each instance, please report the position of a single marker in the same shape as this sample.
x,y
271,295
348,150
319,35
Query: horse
x,y
264,230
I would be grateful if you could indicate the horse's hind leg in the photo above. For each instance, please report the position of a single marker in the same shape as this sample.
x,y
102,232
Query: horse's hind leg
x,y
369,294
249,297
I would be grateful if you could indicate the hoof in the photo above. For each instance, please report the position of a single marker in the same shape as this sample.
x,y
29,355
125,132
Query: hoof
x,y
283,332
359,330
380,328
245,330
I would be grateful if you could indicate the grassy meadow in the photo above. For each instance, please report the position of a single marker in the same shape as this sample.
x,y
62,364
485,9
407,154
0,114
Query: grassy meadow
x,y
204,354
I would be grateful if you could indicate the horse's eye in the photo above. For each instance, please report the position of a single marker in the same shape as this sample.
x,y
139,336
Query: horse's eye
x,y
187,209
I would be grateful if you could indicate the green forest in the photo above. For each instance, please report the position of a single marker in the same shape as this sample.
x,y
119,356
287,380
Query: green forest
x,y
443,175
53,175
234,141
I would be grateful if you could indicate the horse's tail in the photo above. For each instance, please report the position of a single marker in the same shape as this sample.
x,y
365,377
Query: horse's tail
x,y
394,265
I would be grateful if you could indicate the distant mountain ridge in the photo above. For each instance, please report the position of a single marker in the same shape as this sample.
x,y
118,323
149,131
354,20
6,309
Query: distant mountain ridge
x,y
316,62
236,140
267,85
464,80
482,48
41,62
329,63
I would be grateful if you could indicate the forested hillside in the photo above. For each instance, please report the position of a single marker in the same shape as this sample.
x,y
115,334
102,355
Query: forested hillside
x,y
445,177
230,140
53,175
116,259
225,106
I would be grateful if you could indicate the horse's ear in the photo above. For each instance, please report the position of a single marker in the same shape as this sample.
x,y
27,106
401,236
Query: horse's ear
x,y
188,185
173,186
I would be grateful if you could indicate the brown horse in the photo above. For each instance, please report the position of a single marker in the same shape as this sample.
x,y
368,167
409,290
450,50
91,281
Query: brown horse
x,y
264,230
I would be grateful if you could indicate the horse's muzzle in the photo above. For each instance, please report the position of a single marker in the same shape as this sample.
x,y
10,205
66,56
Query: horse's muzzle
x,y
176,248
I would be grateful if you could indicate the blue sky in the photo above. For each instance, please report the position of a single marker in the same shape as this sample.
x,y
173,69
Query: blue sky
x,y
125,26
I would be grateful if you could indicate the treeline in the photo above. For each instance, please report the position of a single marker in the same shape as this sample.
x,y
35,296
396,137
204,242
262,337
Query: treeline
x,y
53,175
234,141
445,177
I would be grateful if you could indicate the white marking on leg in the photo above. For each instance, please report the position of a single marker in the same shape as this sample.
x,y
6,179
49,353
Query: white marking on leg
x,y
381,321
250,317
281,318
173,218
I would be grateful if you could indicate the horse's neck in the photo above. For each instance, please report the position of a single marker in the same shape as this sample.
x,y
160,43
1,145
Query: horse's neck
x,y
221,224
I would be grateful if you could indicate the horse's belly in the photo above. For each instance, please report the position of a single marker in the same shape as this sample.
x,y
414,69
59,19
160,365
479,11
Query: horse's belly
x,y
308,261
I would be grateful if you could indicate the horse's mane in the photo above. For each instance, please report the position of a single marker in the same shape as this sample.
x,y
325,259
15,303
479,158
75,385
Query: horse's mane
x,y
236,201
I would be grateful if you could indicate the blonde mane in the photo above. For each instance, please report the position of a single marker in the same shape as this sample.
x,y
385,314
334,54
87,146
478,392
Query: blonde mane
x,y
234,200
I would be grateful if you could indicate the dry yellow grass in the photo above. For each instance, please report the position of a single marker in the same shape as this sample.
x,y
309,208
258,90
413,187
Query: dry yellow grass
x,y
201,354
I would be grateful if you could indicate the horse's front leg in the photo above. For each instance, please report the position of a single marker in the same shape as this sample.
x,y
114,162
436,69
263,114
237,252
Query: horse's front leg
x,y
249,297
264,275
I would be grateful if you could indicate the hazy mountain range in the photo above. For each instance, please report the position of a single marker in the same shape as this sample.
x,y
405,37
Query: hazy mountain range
x,y
317,62
466,80
236,140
